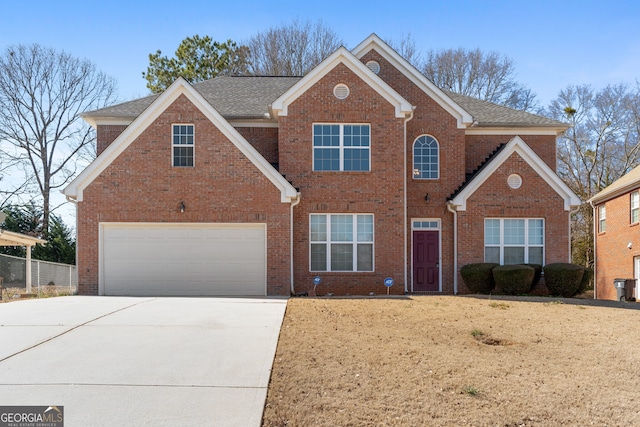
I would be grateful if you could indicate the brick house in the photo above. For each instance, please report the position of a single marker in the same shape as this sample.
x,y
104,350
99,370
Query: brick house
x,y
361,170
616,213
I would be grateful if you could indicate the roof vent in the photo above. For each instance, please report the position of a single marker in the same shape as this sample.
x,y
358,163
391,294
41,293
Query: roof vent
x,y
514,181
373,66
341,91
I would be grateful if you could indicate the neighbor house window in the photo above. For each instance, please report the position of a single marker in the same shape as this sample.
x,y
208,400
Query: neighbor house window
x,y
341,242
635,207
514,241
602,218
340,147
426,158
182,145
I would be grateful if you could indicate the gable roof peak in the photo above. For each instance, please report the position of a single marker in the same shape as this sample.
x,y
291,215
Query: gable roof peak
x,y
342,55
373,42
518,146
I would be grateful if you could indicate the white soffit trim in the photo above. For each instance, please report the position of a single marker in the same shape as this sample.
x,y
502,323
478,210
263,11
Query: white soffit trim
x,y
517,145
372,42
151,113
94,122
514,131
342,56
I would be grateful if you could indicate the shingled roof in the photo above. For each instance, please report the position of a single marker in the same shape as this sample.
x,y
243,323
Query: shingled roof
x,y
489,114
245,97
249,97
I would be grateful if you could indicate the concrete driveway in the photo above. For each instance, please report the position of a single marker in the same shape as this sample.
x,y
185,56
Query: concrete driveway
x,y
141,361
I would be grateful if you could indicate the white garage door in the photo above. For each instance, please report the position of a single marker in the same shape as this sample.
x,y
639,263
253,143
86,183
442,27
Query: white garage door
x,y
183,259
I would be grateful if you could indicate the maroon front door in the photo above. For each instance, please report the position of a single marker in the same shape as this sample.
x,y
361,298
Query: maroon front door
x,y
426,255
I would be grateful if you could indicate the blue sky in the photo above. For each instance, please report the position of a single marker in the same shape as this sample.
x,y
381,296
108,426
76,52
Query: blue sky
x,y
553,43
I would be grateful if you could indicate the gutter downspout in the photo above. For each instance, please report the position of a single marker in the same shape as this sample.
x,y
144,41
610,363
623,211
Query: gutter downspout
x,y
73,200
406,231
293,205
451,209
595,250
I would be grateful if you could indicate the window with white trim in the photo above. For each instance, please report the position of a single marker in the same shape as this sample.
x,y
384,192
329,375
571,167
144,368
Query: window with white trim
x,y
635,207
341,242
602,218
426,158
514,240
182,145
341,147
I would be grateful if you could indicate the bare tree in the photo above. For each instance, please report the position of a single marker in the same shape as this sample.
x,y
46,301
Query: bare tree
x,y
42,93
406,47
602,145
291,49
487,76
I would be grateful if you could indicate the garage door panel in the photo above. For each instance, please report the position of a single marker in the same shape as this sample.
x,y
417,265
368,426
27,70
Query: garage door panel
x,y
174,259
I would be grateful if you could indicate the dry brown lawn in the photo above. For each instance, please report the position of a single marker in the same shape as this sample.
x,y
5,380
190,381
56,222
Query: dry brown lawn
x,y
454,361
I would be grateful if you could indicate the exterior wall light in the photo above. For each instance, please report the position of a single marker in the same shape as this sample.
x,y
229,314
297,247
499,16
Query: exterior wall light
x,y
181,207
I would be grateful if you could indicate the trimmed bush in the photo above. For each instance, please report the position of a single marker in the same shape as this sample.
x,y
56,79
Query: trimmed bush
x,y
563,279
514,279
537,268
478,278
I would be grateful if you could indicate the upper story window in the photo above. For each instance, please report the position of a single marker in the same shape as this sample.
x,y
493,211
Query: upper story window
x,y
514,240
341,147
635,207
426,158
182,145
602,218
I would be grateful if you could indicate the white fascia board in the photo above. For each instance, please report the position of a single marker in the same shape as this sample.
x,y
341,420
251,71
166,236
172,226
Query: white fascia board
x,y
463,118
151,113
530,130
10,238
94,121
342,55
517,145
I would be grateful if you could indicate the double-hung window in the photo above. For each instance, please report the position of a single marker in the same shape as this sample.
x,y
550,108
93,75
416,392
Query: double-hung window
x,y
602,218
341,147
182,145
341,242
514,240
635,207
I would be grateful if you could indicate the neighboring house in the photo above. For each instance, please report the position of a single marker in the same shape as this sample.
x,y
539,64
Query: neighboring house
x,y
361,170
616,213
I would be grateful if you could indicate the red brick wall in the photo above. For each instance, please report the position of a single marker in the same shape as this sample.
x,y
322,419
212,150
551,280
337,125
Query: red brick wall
x,y
534,199
431,119
378,192
265,140
614,260
223,187
106,134
479,147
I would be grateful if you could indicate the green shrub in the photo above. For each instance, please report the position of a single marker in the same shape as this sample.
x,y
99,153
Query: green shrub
x,y
537,268
563,279
513,279
478,278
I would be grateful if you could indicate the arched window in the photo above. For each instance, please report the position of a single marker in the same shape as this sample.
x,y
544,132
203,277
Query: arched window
x,y
426,158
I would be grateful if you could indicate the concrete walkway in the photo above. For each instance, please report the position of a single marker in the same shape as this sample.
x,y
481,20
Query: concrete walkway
x,y
122,361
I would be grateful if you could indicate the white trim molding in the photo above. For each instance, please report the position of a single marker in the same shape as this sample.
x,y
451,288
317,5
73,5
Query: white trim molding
x,y
373,42
143,121
517,145
403,108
